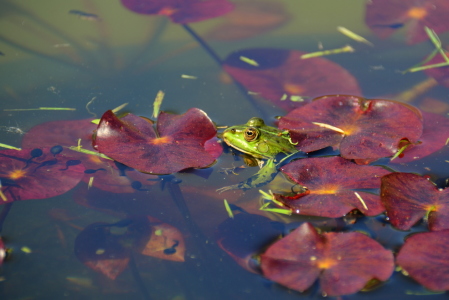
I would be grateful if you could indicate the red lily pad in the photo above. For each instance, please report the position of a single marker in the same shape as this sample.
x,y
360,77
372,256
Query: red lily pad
x,y
331,184
37,174
409,197
181,11
384,17
281,76
176,144
425,258
343,262
66,133
434,137
361,128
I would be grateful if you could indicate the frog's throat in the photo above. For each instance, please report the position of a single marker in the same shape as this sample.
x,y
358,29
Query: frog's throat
x,y
244,151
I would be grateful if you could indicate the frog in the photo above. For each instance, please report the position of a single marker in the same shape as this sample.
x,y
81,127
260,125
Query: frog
x,y
261,142
258,140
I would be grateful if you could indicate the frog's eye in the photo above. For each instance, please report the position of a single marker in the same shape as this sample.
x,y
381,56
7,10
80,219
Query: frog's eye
x,y
251,134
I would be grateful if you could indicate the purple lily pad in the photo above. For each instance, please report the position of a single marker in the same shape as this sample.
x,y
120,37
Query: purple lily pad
x,y
37,174
176,144
331,184
361,128
343,262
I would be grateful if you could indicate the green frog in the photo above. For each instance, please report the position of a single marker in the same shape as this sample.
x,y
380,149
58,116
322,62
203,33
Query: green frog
x,y
258,140
262,142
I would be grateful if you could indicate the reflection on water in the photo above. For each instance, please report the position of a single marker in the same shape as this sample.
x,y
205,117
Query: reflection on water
x,y
122,234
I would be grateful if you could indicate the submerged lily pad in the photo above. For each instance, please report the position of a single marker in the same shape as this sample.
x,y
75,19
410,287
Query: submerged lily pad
x,y
164,242
285,79
384,17
343,262
101,251
107,252
181,11
332,184
250,18
425,258
246,235
359,127
409,197
37,174
176,144
2,251
440,74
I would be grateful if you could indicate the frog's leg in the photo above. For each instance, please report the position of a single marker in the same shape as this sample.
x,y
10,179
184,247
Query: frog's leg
x,y
264,176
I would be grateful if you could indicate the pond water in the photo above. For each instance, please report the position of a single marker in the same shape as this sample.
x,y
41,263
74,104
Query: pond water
x,y
92,56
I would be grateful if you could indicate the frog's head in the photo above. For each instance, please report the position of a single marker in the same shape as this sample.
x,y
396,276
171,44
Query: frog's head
x,y
248,138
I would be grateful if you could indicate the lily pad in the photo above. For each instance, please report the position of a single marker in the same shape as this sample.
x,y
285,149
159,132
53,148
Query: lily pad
x,y
246,235
181,11
2,251
409,197
361,128
343,262
176,144
107,252
425,258
101,251
37,174
434,137
384,17
249,19
164,242
332,184
282,77
66,133
440,74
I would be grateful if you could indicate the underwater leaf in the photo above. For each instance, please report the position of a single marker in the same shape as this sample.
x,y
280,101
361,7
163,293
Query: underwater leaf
x,y
175,145
2,251
440,74
434,137
282,77
100,250
384,17
409,197
250,18
361,128
37,174
331,184
164,242
181,11
65,133
246,235
343,262
425,258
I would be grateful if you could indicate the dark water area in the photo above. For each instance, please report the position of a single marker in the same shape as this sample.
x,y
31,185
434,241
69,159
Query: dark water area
x,y
140,236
